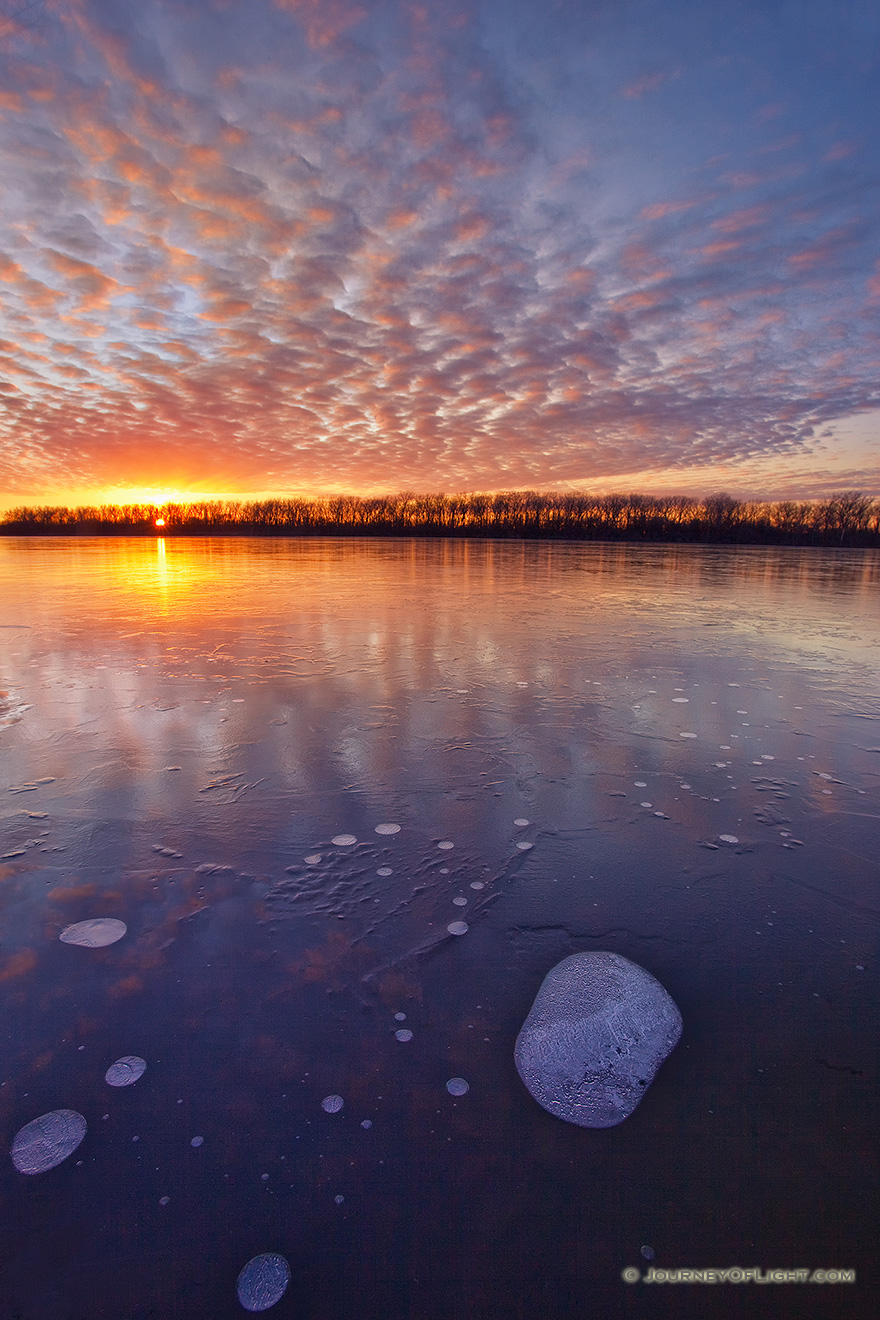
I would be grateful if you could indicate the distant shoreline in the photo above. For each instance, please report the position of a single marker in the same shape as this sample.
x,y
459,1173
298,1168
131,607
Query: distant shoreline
x,y
847,519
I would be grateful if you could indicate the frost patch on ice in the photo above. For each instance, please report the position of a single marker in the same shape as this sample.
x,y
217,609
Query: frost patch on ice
x,y
47,1141
96,933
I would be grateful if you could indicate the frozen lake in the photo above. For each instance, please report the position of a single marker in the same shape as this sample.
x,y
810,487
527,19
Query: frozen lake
x,y
672,753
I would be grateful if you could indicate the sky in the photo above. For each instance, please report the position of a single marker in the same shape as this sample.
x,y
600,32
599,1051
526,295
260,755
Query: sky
x,y
254,247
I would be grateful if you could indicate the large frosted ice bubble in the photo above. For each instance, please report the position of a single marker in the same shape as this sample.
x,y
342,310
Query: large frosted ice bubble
x,y
47,1141
263,1281
96,933
594,1038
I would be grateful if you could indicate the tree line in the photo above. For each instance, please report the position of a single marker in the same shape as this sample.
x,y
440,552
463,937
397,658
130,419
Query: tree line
x,y
847,518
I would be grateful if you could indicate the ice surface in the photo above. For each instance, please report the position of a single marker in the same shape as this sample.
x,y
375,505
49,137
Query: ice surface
x,y
47,1141
594,1038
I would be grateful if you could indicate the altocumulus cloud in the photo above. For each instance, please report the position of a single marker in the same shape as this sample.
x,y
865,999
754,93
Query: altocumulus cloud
x,y
313,245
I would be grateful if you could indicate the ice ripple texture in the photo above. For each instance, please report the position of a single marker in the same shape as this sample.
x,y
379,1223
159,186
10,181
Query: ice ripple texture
x,y
47,1141
263,1281
597,1032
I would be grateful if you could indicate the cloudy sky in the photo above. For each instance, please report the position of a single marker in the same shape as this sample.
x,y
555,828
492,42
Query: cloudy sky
x,y
294,246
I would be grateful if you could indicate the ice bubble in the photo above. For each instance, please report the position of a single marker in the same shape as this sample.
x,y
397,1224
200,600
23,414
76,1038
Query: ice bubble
x,y
164,1200
597,1032
331,1104
687,735
648,1252
457,1086
384,870
728,838
521,822
681,699
263,1281
125,1071
343,840
387,829
197,1141
96,933
339,1199
313,859
457,927
366,1122
477,884
523,846
403,1034
460,901
640,783
48,1140
646,804
399,1017
446,844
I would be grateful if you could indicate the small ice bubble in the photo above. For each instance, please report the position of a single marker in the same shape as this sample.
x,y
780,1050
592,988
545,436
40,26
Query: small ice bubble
x,y
313,859
521,822
387,828
343,840
457,927
687,735
765,756
648,1253
640,783
339,1199
446,844
366,1122
687,785
457,1086
460,902
331,1104
164,1200
404,1034
523,846
264,1177
399,1017
681,699
197,1141
728,838
646,804
263,1282
384,870
477,884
